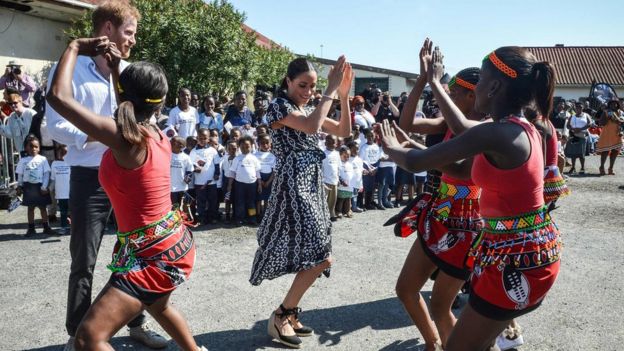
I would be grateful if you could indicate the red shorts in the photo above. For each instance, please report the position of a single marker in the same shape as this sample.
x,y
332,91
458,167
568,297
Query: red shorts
x,y
151,262
514,268
449,226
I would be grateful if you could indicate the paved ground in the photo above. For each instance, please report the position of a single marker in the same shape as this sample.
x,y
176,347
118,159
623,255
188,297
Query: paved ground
x,y
356,309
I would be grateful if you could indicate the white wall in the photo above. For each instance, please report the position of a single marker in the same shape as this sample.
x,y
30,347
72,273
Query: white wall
x,y
35,42
396,84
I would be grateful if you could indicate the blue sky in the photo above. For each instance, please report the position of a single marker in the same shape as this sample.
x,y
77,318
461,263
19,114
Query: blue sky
x,y
389,33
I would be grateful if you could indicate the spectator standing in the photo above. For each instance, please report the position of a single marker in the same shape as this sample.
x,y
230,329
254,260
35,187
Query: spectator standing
x,y
577,142
238,114
245,172
184,117
181,171
560,120
361,116
267,165
14,77
261,103
345,188
330,174
33,177
610,141
385,181
385,109
357,200
206,161
18,124
210,119
89,204
60,173
232,149
370,154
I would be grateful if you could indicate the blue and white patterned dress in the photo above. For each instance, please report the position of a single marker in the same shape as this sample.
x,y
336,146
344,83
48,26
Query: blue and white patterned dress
x,y
295,233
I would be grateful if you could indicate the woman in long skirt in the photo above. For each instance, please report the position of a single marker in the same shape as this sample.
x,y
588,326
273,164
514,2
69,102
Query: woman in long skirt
x,y
295,232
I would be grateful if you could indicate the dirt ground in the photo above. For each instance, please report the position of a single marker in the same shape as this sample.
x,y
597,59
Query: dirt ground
x,y
355,309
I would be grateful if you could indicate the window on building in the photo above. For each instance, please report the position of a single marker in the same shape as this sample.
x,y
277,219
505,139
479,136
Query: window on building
x,y
362,83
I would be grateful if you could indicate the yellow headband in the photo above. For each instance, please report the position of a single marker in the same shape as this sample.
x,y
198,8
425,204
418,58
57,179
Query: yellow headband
x,y
510,72
150,101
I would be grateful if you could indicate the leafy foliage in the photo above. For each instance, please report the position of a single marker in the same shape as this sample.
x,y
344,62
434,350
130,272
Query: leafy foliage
x,y
201,46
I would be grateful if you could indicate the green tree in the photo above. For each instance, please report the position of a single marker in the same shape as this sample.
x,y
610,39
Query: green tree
x,y
201,46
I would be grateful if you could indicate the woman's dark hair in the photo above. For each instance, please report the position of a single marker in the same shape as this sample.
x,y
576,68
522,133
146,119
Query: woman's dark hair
x,y
534,81
295,68
470,75
143,86
239,93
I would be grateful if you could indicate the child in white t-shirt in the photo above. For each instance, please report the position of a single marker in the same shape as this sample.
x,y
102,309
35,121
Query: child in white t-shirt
x,y
181,171
33,177
267,165
345,187
228,197
356,182
60,173
330,174
207,172
245,173
184,117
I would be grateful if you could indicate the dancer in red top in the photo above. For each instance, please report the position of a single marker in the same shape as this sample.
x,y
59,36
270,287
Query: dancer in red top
x,y
516,259
447,221
155,251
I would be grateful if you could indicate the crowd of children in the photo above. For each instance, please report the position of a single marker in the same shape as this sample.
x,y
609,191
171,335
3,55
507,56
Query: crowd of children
x,y
235,170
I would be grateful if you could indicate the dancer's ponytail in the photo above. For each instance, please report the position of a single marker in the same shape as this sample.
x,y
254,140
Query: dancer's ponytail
x,y
127,124
543,77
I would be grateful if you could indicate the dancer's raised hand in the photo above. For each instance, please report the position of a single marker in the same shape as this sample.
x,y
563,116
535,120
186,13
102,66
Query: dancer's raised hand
x,y
336,73
425,57
388,136
345,86
91,46
435,70
112,55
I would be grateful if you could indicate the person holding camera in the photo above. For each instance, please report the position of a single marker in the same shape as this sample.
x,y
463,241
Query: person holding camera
x,y
384,108
16,79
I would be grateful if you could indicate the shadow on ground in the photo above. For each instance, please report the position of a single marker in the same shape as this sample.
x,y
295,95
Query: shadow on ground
x,y
330,325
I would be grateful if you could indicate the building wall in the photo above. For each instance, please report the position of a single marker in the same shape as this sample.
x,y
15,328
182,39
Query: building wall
x,y
396,84
35,42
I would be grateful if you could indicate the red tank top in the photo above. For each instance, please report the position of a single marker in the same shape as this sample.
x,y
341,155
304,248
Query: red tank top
x,y
447,178
139,196
510,192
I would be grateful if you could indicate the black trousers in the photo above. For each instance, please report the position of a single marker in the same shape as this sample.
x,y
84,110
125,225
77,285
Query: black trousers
x,y
90,207
245,201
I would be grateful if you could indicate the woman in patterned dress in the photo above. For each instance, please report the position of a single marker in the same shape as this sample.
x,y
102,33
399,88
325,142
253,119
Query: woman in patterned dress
x,y
295,232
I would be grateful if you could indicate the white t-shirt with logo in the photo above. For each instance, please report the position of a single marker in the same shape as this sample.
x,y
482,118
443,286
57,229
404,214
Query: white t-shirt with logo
x,y
60,172
358,168
331,162
184,121
370,153
180,164
267,161
33,169
245,168
345,171
210,157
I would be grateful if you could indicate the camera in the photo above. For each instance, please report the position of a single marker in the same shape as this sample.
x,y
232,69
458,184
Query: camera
x,y
385,98
15,70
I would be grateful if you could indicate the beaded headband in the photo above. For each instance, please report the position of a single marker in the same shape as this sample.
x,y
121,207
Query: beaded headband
x,y
510,72
461,83
150,101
